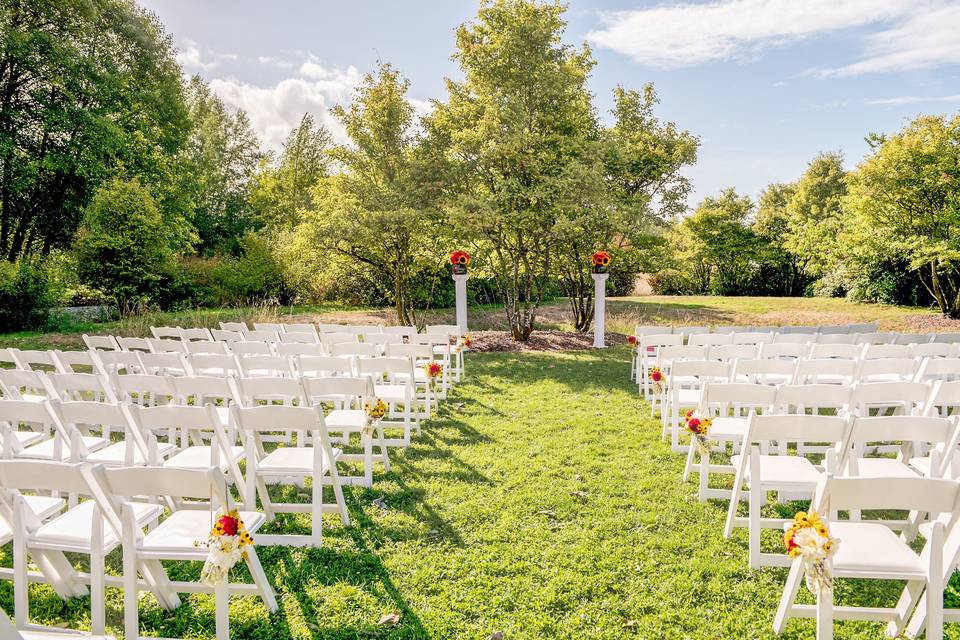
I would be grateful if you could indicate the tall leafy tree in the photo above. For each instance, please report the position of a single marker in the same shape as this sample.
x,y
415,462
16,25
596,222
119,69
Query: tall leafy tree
x,y
218,164
781,271
88,88
639,160
815,214
904,204
284,190
374,212
716,246
519,128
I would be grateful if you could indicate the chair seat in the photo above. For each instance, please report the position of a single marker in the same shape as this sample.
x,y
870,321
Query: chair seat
x,y
72,529
867,548
391,392
183,529
60,634
42,506
726,427
198,457
27,438
33,397
922,465
346,419
44,450
784,472
686,397
293,460
442,349
883,468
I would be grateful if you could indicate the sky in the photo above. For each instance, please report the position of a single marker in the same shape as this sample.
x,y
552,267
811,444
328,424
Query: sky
x,y
766,85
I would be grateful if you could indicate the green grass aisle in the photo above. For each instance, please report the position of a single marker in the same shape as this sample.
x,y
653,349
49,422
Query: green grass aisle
x,y
540,504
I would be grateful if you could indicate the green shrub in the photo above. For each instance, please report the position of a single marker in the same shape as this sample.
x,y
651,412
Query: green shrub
x,y
24,296
255,276
670,282
124,246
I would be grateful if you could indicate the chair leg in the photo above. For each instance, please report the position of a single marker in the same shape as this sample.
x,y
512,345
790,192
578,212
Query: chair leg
x,y
911,600
316,514
367,459
131,617
383,447
790,589
704,472
260,579
825,615
688,466
733,506
756,498
222,594
98,620
935,587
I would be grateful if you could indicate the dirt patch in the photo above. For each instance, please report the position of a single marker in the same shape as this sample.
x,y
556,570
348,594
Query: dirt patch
x,y
546,340
928,323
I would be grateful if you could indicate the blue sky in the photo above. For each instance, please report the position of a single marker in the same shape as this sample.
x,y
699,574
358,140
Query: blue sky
x,y
765,84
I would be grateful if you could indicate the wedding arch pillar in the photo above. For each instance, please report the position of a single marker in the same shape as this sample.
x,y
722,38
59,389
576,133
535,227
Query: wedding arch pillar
x,y
459,260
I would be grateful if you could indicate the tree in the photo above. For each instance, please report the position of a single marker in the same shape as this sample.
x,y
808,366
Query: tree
x,y
123,245
716,247
88,89
904,203
781,271
285,190
640,162
374,212
519,128
218,164
815,215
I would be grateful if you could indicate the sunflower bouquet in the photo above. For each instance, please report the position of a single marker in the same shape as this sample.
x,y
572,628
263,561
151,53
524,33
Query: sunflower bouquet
x,y
657,380
375,410
699,428
600,261
460,261
809,538
226,546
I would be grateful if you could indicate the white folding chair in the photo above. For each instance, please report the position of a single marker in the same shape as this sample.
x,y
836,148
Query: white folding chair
x,y
82,386
167,345
393,382
647,348
795,338
323,366
214,364
300,349
872,551
223,335
165,364
935,350
315,458
842,351
826,371
36,360
80,416
784,350
115,362
422,355
84,529
23,384
875,338
346,415
239,327
930,369
276,327
198,334
134,344
24,427
196,347
944,400
78,361
254,366
949,338
878,351
102,343
251,348
887,370
67,443
175,537
762,470
752,337
299,337
763,371
685,383
894,398
144,389
728,405
166,332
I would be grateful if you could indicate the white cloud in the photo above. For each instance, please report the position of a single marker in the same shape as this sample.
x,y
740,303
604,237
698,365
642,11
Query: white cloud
x,y
274,61
275,110
902,100
677,35
924,40
192,58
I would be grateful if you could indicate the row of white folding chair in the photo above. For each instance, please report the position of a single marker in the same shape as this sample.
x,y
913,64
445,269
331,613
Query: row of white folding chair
x,y
150,390
123,509
640,330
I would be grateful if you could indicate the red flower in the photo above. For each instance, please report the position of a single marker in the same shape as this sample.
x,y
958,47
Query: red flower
x,y
632,340
694,424
600,259
656,375
228,525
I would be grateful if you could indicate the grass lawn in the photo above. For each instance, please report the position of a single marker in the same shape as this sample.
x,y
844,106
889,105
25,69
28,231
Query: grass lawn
x,y
541,504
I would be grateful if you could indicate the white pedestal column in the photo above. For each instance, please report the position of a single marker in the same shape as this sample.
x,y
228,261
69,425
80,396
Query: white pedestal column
x,y
460,284
599,309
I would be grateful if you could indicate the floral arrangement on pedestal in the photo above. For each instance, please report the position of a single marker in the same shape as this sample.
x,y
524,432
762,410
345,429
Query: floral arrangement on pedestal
x,y
600,261
657,380
699,428
460,261
809,538
226,546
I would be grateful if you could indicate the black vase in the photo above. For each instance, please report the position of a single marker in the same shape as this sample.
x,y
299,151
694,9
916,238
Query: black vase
x,y
599,269
459,269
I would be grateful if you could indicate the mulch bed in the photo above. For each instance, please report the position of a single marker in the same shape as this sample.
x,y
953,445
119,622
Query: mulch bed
x,y
547,340
927,323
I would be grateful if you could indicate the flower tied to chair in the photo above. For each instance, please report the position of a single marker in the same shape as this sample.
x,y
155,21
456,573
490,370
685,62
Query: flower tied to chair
x,y
465,341
699,428
375,410
226,546
809,538
433,370
657,379
632,341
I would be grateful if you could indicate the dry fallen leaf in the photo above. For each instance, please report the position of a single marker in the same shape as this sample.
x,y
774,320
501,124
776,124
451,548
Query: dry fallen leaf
x,y
390,619
579,494
496,635
380,502
630,624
